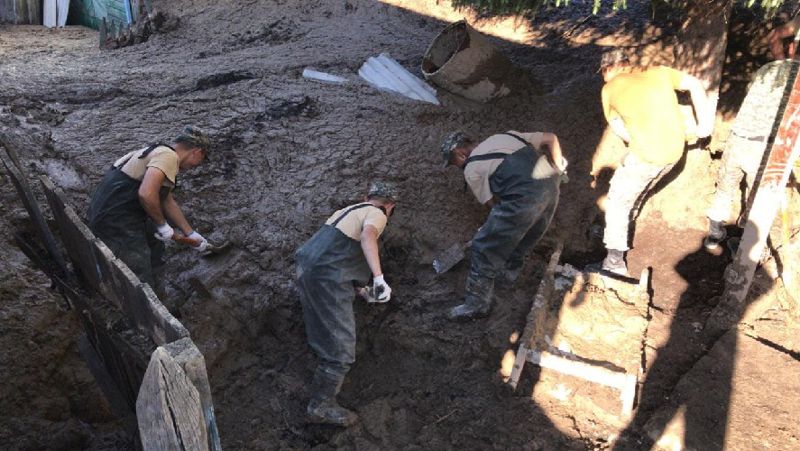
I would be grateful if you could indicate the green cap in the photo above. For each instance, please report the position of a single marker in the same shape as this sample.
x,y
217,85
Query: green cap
x,y
452,141
194,137
385,190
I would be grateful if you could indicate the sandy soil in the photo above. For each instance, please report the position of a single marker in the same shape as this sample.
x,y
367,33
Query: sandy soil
x,y
287,153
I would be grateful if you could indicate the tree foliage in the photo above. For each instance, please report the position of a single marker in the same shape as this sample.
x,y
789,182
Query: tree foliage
x,y
530,7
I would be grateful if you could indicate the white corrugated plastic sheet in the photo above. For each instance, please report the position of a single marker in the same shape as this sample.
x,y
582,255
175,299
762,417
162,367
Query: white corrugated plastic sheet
x,y
385,73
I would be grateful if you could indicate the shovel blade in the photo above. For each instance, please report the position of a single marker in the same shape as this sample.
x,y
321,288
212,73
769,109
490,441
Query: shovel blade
x,y
216,249
448,258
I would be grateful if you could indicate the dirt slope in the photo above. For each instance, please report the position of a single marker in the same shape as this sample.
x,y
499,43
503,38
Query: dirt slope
x,y
289,151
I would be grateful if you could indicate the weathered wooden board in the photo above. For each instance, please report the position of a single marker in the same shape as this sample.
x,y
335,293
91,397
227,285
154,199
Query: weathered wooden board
x,y
12,165
77,238
109,276
194,365
168,407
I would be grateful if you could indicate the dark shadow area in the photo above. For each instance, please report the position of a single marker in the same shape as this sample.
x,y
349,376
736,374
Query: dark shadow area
x,y
684,355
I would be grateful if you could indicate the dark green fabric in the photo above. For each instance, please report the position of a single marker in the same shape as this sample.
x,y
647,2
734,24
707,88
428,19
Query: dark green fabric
x,y
117,218
514,224
329,264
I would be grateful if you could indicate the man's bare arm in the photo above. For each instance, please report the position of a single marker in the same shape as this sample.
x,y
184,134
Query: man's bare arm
x,y
369,245
149,194
704,109
175,215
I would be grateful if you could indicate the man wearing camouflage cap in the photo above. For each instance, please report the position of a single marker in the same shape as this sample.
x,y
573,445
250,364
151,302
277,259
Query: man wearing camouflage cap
x,y
517,175
130,208
341,256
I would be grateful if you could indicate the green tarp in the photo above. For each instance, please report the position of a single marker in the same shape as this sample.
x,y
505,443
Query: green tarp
x,y
91,12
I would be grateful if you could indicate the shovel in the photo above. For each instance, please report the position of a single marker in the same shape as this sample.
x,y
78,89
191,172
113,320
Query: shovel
x,y
210,251
450,257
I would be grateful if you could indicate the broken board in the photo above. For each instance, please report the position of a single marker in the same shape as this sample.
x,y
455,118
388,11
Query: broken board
x,y
586,331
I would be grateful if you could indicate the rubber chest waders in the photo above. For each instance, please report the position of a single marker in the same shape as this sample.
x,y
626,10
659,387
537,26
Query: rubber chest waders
x,y
329,264
117,217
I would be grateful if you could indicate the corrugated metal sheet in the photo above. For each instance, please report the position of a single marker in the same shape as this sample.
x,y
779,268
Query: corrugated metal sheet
x,y
385,73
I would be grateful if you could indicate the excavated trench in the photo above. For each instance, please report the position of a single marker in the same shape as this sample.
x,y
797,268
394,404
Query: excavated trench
x,y
288,152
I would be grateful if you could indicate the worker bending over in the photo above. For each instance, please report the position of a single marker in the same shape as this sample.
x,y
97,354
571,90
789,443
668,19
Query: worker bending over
x,y
339,257
130,208
517,175
642,108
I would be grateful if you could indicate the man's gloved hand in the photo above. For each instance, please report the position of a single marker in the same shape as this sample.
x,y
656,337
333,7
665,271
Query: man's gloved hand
x,y
562,169
164,233
204,244
381,290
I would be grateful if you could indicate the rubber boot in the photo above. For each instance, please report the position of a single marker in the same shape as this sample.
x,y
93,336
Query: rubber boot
x,y
511,272
323,408
615,262
477,302
716,233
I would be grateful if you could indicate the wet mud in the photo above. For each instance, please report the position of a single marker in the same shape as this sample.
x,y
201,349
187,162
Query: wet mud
x,y
288,152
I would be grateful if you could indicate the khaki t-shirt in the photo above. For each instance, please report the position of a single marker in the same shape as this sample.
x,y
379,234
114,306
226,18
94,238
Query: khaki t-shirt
x,y
353,223
162,158
647,104
477,173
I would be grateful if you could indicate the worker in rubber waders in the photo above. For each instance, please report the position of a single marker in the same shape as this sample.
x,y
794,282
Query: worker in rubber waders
x,y
517,175
130,208
340,257
641,107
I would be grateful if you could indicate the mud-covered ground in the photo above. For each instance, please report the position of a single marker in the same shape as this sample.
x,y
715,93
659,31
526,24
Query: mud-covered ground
x,y
288,152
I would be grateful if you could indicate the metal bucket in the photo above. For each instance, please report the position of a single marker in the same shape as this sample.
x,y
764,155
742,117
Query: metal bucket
x,y
463,62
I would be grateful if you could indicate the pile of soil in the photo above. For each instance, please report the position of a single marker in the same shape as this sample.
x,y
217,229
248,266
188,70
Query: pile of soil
x,y
288,152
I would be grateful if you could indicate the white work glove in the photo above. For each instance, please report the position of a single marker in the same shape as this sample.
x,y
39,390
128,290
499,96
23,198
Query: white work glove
x,y
380,290
164,233
562,169
204,244
705,129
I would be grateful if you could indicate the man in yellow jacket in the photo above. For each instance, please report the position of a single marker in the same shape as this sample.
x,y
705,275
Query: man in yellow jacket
x,y
641,107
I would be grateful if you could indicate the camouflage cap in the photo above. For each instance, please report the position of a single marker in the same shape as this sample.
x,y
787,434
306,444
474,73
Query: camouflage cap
x,y
452,141
194,137
613,57
385,190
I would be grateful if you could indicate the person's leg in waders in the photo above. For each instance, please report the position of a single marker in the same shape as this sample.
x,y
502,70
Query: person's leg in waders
x,y
535,233
493,245
331,330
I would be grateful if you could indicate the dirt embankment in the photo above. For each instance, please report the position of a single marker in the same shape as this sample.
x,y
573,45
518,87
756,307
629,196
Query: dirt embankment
x,y
289,151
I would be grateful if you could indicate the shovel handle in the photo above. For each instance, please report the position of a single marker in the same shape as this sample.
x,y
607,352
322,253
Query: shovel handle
x,y
184,240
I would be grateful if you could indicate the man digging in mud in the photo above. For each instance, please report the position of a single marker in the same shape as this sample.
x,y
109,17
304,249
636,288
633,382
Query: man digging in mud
x,y
341,255
130,208
642,108
517,175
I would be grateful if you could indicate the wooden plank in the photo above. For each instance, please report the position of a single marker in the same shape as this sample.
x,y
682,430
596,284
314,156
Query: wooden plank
x,y
109,276
625,383
31,205
77,238
769,193
34,12
193,363
168,408
539,307
142,307
116,400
